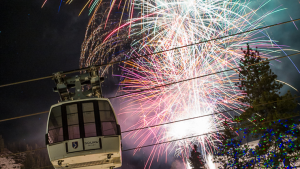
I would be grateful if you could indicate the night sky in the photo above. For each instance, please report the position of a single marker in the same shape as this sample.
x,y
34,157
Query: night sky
x,y
36,42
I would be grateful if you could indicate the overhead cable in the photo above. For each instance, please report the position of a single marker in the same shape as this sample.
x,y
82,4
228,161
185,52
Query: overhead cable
x,y
142,56
197,77
168,84
160,142
18,117
204,116
28,115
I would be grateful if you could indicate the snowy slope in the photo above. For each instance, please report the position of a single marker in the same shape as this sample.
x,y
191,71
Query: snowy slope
x,y
7,162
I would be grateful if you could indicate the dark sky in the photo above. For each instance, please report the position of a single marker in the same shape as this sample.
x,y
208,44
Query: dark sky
x,y
36,42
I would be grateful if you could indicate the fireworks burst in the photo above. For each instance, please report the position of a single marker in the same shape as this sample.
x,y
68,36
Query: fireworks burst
x,y
91,4
156,25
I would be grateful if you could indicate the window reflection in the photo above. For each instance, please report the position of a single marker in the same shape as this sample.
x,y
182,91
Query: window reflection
x,y
89,119
109,128
55,131
73,123
107,118
104,105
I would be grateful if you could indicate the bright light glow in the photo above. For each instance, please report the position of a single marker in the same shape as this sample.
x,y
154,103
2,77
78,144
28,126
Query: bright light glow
x,y
209,162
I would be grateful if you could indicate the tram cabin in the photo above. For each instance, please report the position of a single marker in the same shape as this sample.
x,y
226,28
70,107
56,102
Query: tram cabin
x,y
84,134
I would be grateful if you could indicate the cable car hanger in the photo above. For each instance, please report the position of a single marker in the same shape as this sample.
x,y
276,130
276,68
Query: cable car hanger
x,y
63,84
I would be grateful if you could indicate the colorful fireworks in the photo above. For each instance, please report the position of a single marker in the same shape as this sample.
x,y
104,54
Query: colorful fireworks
x,y
91,4
156,25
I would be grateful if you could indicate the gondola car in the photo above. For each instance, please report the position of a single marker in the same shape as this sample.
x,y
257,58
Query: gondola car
x,y
82,130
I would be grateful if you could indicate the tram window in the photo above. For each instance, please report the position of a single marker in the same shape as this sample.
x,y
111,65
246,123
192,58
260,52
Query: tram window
x,y
104,105
109,128
107,117
55,130
73,124
89,119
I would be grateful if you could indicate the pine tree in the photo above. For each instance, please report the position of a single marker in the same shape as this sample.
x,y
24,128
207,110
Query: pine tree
x,y
196,161
278,139
36,159
255,80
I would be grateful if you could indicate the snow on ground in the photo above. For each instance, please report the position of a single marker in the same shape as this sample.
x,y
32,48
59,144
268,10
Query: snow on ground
x,y
7,162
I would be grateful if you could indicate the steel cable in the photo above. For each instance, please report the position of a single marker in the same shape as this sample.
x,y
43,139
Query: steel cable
x,y
142,56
